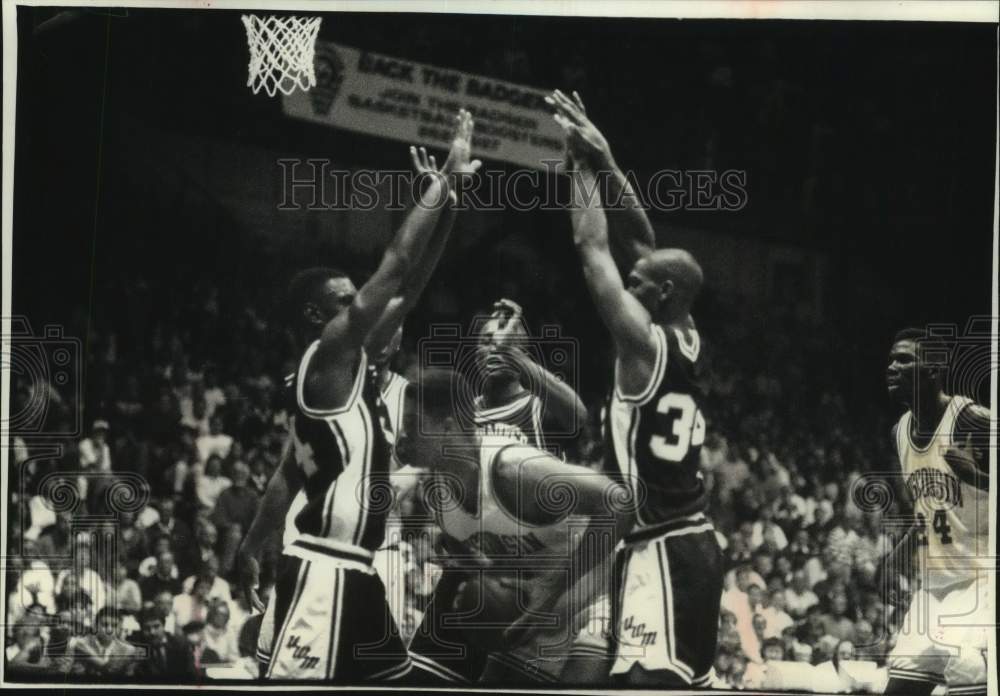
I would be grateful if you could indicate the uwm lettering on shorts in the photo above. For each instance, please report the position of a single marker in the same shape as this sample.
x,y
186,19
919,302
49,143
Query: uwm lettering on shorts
x,y
639,631
301,652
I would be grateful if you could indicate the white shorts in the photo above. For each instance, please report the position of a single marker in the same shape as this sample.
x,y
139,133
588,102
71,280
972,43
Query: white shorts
x,y
943,637
331,621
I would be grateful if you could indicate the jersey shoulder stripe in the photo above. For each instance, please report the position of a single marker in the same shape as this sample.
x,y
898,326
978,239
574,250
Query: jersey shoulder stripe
x,y
359,380
659,368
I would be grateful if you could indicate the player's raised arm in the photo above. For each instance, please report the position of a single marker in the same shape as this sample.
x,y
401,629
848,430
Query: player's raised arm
x,y
458,164
351,328
626,318
632,235
559,400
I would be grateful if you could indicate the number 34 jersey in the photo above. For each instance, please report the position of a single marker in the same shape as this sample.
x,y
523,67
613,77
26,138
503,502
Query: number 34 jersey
x,y
953,545
653,439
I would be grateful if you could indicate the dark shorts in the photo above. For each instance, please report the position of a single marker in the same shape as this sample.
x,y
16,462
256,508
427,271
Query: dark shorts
x,y
667,602
453,641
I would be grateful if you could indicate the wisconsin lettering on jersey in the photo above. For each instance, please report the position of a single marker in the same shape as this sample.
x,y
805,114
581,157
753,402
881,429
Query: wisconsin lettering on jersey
x,y
505,430
936,486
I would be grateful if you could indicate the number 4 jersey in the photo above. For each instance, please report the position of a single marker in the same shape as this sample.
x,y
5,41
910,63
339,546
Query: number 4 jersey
x,y
953,509
653,439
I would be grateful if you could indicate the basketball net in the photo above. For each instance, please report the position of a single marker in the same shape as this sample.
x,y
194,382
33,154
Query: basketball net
x,y
281,53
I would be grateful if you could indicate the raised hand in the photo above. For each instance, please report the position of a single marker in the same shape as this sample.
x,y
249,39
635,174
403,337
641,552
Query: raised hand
x,y
584,142
422,162
459,155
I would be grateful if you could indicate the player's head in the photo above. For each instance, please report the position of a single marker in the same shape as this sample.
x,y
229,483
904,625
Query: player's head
x,y
666,282
911,368
435,417
504,327
317,295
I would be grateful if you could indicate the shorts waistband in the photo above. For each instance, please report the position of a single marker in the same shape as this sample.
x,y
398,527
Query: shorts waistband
x,y
683,525
311,546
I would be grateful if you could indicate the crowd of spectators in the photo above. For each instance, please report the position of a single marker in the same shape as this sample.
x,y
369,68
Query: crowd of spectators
x,y
115,586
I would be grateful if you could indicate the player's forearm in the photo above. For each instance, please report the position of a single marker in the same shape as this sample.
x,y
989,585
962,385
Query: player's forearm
x,y
559,399
630,230
274,505
590,225
398,261
417,229
420,275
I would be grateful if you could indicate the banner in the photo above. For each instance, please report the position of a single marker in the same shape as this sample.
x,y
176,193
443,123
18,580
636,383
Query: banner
x,y
416,103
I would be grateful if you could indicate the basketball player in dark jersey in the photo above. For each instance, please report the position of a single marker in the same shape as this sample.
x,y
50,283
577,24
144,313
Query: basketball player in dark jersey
x,y
668,606
505,508
331,620
505,405
391,386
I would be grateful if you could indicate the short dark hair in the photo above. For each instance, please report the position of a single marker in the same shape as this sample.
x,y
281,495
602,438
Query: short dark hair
x,y
104,612
910,333
151,613
772,643
934,350
306,283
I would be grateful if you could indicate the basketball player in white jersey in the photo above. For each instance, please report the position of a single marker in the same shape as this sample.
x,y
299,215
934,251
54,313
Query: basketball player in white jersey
x,y
668,608
942,443
519,398
547,416
505,507
331,621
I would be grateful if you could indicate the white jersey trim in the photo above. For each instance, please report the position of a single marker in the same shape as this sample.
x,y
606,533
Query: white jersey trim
x,y
659,369
359,379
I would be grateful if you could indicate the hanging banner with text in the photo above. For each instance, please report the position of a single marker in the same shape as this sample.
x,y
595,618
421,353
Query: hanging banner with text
x,y
416,104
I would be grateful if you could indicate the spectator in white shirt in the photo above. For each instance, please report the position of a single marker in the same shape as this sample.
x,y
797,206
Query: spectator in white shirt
x,y
193,605
210,570
87,580
799,597
95,455
766,531
215,442
777,618
220,636
209,482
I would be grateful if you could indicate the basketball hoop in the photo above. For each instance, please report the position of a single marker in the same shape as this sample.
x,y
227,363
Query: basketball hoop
x,y
281,53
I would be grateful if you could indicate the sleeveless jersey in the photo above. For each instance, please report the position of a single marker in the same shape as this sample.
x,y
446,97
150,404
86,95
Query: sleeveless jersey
x,y
519,420
952,546
392,397
653,439
496,531
344,457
